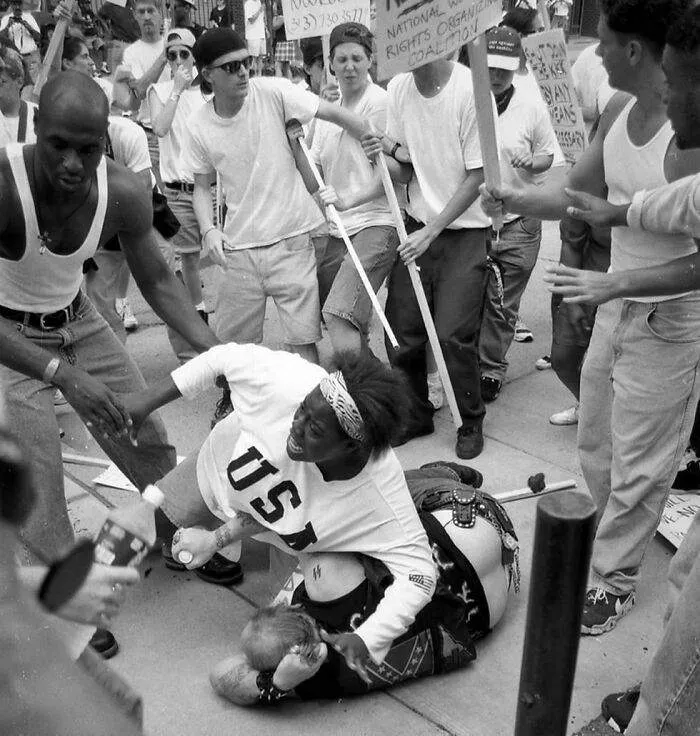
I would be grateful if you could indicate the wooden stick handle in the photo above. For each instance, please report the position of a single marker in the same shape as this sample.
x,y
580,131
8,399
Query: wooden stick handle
x,y
527,492
351,250
53,53
483,101
75,459
420,295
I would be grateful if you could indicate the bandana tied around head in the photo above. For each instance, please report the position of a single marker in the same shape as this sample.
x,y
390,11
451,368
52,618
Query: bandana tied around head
x,y
335,392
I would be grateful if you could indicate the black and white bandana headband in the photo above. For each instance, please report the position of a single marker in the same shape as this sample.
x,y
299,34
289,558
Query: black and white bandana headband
x,y
335,392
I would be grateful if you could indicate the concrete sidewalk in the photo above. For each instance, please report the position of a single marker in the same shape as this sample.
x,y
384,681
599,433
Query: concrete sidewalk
x,y
175,627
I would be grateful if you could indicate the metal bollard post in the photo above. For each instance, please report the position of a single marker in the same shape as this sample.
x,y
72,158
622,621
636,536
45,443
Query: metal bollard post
x,y
564,532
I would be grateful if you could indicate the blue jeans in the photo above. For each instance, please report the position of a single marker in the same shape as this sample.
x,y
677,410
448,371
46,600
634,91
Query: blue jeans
x,y
669,702
453,274
88,343
639,390
514,254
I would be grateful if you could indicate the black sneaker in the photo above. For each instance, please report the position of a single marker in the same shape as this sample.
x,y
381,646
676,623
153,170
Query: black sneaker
x,y
618,708
602,610
470,442
490,388
223,408
104,643
689,478
466,474
218,571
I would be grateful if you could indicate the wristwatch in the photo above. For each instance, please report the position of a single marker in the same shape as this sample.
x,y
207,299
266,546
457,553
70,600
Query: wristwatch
x,y
394,149
269,692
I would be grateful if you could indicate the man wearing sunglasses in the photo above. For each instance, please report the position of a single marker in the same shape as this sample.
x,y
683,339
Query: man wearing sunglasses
x,y
264,243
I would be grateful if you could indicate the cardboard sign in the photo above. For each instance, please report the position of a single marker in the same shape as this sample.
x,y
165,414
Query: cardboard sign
x,y
678,516
411,33
304,18
546,54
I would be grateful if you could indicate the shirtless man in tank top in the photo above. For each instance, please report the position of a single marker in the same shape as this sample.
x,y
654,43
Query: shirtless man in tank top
x,y
639,382
60,199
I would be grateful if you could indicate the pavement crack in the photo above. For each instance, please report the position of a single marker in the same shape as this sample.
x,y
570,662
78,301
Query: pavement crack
x,y
430,720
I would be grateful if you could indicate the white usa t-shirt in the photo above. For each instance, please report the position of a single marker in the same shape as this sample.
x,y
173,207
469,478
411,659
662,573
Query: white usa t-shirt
x,y
243,465
265,194
442,137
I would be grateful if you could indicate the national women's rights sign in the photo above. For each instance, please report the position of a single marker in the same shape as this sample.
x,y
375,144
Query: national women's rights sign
x,y
411,33
304,18
546,54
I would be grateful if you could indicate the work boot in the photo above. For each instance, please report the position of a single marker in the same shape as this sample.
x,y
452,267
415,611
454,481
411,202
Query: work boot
x,y
470,442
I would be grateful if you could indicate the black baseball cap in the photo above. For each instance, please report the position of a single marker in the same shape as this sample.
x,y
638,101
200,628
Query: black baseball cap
x,y
311,49
351,33
503,48
215,43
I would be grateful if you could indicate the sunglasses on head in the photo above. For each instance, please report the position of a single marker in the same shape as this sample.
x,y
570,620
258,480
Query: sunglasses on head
x,y
184,54
233,67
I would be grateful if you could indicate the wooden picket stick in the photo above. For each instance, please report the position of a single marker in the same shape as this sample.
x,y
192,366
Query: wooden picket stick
x,y
326,46
420,294
544,12
53,54
483,101
520,493
351,250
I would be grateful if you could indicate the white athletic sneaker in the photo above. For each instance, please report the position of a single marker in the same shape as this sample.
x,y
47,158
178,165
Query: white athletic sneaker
x,y
123,309
566,417
522,332
435,394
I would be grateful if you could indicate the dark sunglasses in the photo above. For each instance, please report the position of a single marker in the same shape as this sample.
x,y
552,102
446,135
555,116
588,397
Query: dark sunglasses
x,y
184,54
233,67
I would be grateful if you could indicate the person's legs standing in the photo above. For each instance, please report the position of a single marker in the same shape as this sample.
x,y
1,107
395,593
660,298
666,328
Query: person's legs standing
x,y
515,255
669,701
289,275
460,280
187,243
101,287
404,316
655,367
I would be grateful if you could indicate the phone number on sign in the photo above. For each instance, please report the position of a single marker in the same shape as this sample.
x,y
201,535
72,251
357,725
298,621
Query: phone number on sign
x,y
311,24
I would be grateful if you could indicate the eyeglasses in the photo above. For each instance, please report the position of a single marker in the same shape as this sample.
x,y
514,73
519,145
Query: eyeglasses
x,y
184,54
233,67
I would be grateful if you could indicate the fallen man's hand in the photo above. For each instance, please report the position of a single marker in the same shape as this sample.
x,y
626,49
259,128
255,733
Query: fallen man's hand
x,y
200,543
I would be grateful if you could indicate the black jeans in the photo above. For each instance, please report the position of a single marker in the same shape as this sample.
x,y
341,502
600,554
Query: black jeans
x,y
453,274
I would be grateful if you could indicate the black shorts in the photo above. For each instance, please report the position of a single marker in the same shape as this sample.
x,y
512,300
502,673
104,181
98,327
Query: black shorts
x,y
441,638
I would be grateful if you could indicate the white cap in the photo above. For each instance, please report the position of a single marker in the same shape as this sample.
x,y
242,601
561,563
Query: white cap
x,y
153,495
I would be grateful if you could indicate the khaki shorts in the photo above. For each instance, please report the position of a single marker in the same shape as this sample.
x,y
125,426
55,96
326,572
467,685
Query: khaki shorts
x,y
186,239
285,271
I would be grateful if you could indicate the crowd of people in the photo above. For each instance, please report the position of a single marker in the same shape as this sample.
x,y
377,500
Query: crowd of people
x,y
161,148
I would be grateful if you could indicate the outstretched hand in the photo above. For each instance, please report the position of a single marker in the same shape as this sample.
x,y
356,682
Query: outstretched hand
x,y
353,649
137,407
582,287
495,201
596,211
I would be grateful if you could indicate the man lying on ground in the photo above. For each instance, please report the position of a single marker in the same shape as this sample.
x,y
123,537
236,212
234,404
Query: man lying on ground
x,y
283,649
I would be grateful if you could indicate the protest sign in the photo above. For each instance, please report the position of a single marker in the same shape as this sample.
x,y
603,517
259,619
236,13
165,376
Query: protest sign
x,y
678,515
305,18
546,54
411,33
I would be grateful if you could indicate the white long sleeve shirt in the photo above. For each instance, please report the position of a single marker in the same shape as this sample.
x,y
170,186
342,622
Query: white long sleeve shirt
x,y
243,465
674,208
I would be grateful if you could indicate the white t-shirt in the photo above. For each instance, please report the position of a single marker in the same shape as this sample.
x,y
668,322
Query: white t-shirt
x,y
256,29
107,87
265,194
591,80
129,144
19,35
372,513
9,127
139,57
525,125
346,167
442,137
171,145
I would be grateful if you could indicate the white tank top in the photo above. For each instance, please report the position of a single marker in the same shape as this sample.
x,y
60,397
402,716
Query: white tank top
x,y
44,281
629,169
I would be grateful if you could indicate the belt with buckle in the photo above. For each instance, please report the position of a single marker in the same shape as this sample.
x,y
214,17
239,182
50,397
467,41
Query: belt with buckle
x,y
47,320
182,186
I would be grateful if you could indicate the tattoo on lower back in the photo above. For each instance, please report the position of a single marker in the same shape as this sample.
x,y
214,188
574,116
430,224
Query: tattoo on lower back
x,y
316,572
